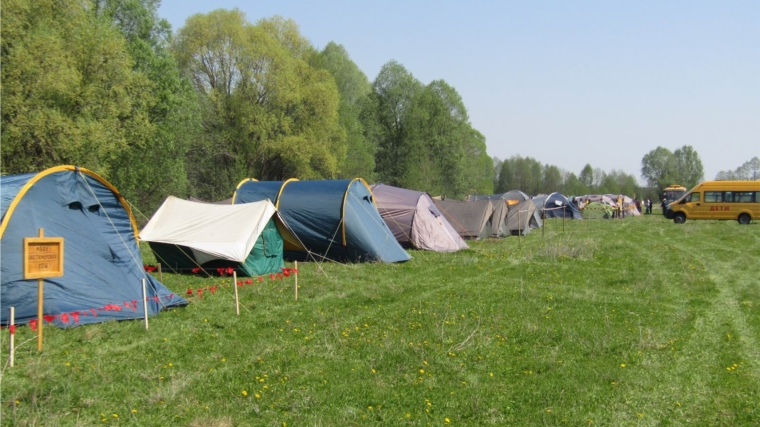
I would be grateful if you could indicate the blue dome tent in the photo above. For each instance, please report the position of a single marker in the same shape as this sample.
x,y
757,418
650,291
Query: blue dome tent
x,y
103,270
333,219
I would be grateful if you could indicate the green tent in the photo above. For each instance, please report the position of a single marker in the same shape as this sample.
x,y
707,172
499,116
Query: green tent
x,y
187,236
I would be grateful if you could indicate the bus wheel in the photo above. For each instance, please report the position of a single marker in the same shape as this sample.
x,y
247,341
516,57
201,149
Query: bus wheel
x,y
744,219
679,218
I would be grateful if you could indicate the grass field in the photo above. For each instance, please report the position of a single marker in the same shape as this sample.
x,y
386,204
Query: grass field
x,y
638,322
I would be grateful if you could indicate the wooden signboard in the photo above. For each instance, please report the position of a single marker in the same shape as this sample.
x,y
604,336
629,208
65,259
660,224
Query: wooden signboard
x,y
43,257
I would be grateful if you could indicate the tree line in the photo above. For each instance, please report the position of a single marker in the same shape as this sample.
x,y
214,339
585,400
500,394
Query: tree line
x,y
529,175
107,85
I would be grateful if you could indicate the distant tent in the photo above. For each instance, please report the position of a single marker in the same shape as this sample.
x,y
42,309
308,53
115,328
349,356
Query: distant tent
x,y
472,220
185,235
415,220
522,215
596,206
103,269
335,219
629,206
557,205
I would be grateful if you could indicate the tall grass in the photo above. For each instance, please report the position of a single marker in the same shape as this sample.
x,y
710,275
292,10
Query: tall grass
x,y
633,322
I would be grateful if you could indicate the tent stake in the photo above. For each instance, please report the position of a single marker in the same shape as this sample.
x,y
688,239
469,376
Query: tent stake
x,y
296,285
145,303
10,329
234,285
160,274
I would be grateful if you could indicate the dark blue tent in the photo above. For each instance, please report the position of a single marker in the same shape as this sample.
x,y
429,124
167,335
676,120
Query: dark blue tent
x,y
335,219
557,205
103,270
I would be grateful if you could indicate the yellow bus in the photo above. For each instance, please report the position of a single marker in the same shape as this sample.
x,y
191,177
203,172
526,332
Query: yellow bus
x,y
673,192
739,200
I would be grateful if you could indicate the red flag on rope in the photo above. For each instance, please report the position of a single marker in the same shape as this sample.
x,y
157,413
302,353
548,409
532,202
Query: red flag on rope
x,y
33,324
48,318
196,270
12,329
75,316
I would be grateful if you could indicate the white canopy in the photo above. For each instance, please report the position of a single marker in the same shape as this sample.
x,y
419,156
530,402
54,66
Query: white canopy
x,y
211,231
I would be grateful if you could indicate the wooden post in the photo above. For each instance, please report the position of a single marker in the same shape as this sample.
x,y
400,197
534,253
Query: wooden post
x,y
234,284
296,272
160,274
519,227
563,222
145,302
543,226
13,347
40,304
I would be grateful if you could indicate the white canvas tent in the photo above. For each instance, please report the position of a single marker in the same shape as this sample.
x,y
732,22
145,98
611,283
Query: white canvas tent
x,y
185,234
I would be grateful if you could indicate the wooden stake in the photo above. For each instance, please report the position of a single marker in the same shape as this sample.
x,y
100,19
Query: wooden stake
x,y
13,347
563,222
296,272
519,227
40,304
234,284
543,226
145,303
160,274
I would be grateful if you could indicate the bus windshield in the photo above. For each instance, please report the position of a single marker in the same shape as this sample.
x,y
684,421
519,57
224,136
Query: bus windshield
x,y
673,192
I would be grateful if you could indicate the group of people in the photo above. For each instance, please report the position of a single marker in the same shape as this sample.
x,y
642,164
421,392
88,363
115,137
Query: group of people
x,y
647,206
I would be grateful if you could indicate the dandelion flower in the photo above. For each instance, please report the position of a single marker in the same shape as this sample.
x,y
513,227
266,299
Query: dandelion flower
x,y
422,371
622,365
134,411
244,393
447,420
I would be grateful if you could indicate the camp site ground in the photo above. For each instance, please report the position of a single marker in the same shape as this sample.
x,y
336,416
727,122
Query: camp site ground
x,y
632,322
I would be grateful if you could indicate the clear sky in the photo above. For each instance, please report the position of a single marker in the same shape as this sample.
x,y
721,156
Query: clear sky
x,y
564,82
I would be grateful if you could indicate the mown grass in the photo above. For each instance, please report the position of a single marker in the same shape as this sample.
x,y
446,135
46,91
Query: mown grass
x,y
634,322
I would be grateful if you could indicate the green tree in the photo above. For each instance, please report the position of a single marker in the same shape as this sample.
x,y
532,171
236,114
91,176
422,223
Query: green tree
x,y
658,168
688,166
392,101
573,186
354,88
587,176
552,179
266,112
70,95
152,167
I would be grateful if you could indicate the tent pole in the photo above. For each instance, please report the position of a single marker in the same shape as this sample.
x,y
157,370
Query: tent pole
x,y
234,285
145,303
160,274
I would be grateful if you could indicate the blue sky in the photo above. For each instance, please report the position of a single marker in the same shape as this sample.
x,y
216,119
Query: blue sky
x,y
564,82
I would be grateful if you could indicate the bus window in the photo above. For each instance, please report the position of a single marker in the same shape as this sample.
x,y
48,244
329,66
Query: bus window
x,y
728,196
713,196
693,197
743,196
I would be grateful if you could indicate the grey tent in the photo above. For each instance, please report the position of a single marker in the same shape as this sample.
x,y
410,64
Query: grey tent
x,y
522,215
415,220
472,220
